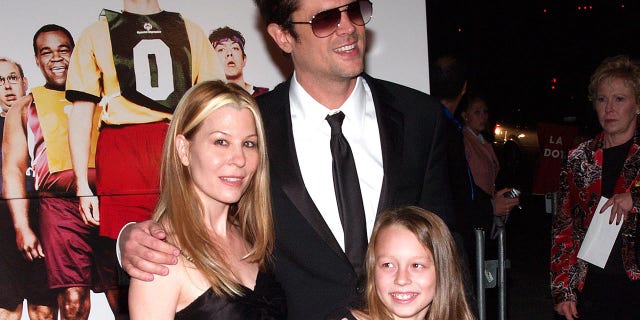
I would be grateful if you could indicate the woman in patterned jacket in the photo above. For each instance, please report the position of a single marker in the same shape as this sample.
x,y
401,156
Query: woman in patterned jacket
x,y
606,166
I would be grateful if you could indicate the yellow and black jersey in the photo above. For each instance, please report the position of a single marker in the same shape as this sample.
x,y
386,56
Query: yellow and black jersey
x,y
141,65
48,127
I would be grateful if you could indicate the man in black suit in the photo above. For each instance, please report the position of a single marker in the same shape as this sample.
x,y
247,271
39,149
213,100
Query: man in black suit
x,y
471,206
449,85
396,135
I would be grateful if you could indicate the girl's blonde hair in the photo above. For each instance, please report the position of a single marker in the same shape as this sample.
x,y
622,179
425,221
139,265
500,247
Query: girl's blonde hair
x,y
449,302
179,208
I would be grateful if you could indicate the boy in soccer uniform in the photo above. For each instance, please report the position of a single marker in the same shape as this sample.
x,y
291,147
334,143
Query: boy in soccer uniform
x,y
77,259
141,62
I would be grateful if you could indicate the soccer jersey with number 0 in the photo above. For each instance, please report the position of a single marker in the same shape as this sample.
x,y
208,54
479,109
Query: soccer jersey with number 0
x,y
141,80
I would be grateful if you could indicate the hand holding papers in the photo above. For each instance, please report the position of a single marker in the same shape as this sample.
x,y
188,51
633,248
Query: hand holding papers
x,y
600,237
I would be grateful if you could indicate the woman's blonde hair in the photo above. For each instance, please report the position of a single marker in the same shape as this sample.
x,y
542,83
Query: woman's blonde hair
x,y
621,67
179,208
449,302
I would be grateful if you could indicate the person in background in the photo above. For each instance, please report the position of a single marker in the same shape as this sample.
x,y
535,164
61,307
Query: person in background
x,y
141,61
484,164
77,259
413,269
13,84
490,209
138,62
229,46
605,166
215,205
449,84
22,271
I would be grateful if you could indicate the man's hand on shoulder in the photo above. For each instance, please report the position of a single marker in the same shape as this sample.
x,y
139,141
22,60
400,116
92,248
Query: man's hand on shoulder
x,y
144,253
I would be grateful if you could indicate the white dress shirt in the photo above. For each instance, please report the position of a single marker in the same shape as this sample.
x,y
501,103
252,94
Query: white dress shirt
x,y
311,133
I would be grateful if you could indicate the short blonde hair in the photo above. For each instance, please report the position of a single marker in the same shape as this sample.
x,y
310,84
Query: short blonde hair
x,y
449,302
179,209
621,67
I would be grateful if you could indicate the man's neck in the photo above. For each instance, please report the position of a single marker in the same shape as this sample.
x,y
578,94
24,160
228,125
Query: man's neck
x,y
450,105
142,6
331,94
240,81
52,86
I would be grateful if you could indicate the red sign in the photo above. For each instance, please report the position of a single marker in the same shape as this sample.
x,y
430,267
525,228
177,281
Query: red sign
x,y
555,142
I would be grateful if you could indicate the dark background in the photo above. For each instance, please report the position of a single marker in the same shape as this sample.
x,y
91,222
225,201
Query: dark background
x,y
515,50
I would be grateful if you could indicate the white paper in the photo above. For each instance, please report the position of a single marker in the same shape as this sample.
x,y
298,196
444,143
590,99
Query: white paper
x,y
598,242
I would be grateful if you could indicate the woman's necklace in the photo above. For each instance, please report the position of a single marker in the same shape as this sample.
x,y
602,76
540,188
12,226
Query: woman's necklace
x,y
182,253
186,256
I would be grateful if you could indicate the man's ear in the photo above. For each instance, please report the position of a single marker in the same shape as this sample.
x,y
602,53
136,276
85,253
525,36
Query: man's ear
x,y
182,148
281,36
244,60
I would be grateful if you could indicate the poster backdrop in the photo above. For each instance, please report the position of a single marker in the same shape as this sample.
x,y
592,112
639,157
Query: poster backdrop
x,y
397,44
397,34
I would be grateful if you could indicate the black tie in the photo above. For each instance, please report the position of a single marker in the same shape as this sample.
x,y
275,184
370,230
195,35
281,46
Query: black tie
x,y
348,195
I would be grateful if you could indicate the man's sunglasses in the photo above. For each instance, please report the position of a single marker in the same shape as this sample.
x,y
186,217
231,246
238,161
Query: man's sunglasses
x,y
326,22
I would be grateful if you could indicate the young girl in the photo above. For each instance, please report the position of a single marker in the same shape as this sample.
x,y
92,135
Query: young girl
x,y
413,270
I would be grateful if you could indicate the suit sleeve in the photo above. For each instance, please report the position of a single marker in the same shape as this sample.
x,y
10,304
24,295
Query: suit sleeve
x,y
436,190
482,214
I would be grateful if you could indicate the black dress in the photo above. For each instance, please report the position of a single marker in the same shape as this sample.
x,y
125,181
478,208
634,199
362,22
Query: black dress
x,y
265,302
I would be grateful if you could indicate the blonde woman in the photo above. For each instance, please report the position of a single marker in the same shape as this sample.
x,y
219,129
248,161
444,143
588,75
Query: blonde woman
x,y
605,166
214,205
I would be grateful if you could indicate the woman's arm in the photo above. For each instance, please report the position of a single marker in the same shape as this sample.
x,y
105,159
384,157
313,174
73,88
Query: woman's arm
x,y
157,299
563,250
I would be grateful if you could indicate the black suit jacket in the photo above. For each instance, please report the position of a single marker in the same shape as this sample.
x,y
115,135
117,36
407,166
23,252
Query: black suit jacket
x,y
315,273
459,177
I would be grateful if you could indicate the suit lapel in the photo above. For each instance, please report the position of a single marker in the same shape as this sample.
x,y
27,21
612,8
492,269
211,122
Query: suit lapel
x,y
390,124
284,163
